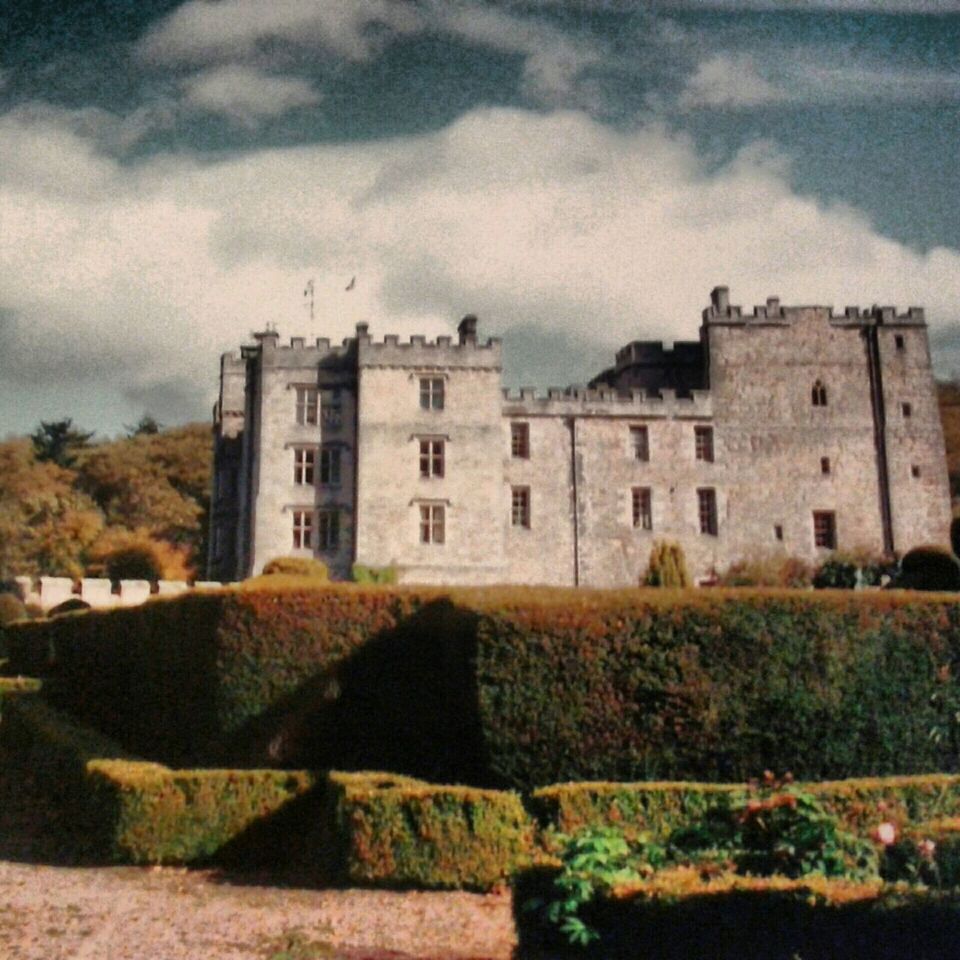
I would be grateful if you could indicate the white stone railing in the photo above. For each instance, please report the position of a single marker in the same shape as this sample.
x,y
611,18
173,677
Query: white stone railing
x,y
47,592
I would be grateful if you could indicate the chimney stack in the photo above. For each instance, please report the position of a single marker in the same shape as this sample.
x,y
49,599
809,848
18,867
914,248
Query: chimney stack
x,y
720,296
467,329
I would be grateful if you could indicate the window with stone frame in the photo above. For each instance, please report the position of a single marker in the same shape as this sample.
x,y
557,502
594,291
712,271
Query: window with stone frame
x,y
432,393
302,529
304,465
432,451
703,443
520,507
328,529
331,408
520,440
825,529
307,405
642,504
330,466
818,394
432,523
640,443
707,510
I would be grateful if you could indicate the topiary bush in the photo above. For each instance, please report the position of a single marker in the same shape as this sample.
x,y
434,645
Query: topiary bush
x,y
297,567
134,562
68,606
928,568
851,571
668,566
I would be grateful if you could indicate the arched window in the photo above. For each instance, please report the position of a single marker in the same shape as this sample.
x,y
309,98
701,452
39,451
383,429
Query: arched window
x,y
819,394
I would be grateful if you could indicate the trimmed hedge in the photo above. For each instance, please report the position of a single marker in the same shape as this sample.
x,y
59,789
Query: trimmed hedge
x,y
719,686
519,687
394,831
679,914
134,811
659,808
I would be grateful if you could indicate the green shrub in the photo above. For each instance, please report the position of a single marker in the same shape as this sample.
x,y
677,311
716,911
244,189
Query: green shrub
x,y
667,567
297,567
133,811
73,605
11,608
393,831
134,562
766,571
928,568
661,809
361,573
850,571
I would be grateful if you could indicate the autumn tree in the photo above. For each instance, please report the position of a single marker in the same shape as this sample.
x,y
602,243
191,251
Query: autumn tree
x,y
46,524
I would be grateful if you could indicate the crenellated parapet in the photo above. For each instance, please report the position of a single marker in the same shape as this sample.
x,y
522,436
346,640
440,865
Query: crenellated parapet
x,y
420,353
589,402
722,313
298,353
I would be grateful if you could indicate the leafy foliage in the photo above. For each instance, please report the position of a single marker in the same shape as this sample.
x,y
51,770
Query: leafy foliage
x,y
62,498
361,573
297,567
767,570
928,568
58,441
668,566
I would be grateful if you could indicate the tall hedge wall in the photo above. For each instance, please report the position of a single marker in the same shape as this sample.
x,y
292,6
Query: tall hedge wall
x,y
520,687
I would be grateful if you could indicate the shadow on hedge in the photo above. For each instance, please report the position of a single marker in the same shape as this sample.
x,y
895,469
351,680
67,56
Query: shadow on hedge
x,y
748,926
406,701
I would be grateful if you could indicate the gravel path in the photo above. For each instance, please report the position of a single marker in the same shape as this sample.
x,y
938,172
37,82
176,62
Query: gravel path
x,y
53,909
129,913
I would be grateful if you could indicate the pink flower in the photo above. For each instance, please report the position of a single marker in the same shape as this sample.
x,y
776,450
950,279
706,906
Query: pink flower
x,y
926,849
886,833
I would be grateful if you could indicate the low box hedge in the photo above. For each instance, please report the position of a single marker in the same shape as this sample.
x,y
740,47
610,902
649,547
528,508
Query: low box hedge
x,y
678,915
659,808
133,811
403,833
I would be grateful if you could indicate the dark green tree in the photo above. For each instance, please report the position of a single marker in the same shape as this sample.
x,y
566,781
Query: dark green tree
x,y
57,441
145,426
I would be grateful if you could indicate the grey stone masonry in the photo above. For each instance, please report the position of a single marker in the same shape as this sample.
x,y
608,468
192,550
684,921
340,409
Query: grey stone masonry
x,y
788,431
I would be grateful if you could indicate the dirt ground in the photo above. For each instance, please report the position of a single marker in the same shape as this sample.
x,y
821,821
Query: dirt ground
x,y
128,913
51,908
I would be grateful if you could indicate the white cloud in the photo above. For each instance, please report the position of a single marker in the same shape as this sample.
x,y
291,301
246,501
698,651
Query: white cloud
x,y
245,94
729,81
736,81
202,31
230,31
137,274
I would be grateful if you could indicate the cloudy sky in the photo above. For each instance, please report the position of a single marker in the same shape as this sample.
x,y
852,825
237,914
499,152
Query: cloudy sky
x,y
577,172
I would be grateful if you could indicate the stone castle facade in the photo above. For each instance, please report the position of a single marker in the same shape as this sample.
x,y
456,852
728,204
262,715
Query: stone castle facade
x,y
789,430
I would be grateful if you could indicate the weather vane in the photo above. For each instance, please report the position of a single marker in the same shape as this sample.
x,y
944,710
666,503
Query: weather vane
x,y
308,292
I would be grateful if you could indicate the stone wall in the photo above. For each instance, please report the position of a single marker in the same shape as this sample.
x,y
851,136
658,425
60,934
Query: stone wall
x,y
48,592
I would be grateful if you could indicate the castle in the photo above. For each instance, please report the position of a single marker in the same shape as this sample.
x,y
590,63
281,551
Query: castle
x,y
790,430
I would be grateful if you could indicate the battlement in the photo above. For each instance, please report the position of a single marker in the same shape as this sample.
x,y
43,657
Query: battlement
x,y
468,353
588,401
722,313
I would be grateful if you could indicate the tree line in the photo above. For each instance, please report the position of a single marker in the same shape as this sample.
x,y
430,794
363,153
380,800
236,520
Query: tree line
x,y
70,504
